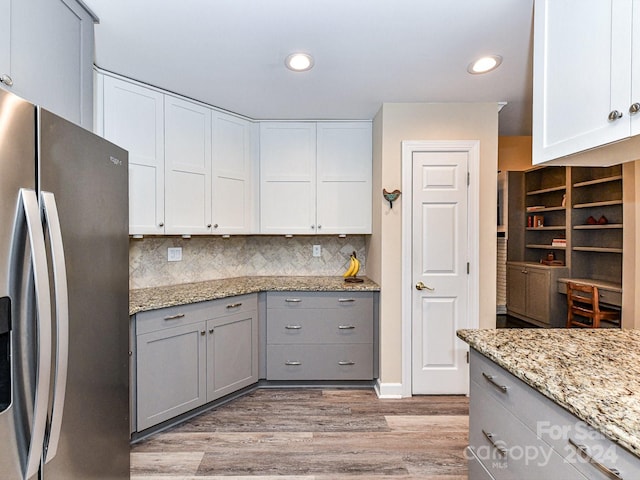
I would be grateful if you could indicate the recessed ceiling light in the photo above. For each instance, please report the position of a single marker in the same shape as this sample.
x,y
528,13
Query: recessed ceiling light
x,y
299,62
485,64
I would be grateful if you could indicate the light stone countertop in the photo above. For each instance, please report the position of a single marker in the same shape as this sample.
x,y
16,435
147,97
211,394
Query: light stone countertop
x,y
144,299
594,374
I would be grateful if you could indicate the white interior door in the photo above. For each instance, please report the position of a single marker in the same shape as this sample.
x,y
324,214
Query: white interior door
x,y
440,255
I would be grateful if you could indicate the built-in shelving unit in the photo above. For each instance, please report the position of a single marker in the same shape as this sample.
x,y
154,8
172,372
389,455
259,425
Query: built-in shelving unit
x,y
546,214
597,225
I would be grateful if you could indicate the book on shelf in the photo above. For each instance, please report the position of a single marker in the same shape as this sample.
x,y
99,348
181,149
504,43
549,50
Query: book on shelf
x,y
559,242
533,208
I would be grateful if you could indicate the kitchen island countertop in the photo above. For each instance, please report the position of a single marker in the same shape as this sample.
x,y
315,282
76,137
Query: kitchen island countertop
x,y
143,299
592,373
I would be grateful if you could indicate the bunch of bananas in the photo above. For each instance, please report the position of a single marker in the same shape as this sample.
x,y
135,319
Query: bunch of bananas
x,y
354,266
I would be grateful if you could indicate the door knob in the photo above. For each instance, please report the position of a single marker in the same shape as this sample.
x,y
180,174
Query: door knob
x,y
634,108
422,286
615,115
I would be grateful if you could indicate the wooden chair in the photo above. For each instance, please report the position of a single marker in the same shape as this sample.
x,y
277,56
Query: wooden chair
x,y
583,307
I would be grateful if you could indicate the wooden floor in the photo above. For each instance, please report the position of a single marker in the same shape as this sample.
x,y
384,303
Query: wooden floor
x,y
313,434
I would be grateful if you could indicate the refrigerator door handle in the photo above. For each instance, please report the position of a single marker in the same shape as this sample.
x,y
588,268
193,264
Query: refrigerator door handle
x,y
28,203
62,321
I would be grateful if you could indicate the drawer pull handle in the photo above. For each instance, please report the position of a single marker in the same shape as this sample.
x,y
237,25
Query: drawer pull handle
x,y
346,363
293,327
346,327
583,451
234,305
292,300
490,379
501,450
174,317
291,362
345,300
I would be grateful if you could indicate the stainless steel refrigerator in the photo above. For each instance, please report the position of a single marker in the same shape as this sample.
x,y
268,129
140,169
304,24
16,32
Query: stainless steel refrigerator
x,y
63,299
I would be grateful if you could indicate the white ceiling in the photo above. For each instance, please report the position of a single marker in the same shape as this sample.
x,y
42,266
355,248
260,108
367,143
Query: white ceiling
x,y
230,53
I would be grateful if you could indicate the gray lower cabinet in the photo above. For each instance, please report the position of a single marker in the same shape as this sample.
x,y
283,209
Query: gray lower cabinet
x,y
192,354
517,433
320,336
532,293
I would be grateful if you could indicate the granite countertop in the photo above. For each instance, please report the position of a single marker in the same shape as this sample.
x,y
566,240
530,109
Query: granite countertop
x,y
594,374
143,299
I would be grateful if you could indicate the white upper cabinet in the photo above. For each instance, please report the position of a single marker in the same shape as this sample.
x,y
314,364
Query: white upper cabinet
x,y
344,177
634,109
46,55
133,117
288,178
315,177
583,75
234,168
187,148
5,43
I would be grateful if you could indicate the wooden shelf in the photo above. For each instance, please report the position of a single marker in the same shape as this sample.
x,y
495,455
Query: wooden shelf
x,y
547,190
598,204
597,227
597,181
545,209
544,247
597,249
550,227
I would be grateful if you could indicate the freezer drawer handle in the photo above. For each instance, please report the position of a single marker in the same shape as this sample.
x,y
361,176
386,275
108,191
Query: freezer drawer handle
x,y
174,317
490,379
293,327
346,327
292,300
234,305
583,451
346,363
345,300
28,203
62,321
293,362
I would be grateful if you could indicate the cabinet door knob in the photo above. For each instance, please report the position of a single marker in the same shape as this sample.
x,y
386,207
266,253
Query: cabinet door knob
x,y
634,108
208,225
211,330
215,225
313,227
203,333
319,227
161,224
6,79
615,115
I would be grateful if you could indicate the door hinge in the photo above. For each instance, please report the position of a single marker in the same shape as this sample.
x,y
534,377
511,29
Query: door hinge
x,y
468,268
467,356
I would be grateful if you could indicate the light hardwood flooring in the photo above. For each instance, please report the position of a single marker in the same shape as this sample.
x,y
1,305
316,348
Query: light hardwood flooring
x,y
313,434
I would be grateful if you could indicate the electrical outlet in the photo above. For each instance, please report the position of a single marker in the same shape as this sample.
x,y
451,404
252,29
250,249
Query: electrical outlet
x,y
174,254
317,251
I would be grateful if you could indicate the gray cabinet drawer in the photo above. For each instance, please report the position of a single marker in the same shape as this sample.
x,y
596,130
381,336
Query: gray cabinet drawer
x,y
320,362
507,448
170,317
302,300
476,469
317,326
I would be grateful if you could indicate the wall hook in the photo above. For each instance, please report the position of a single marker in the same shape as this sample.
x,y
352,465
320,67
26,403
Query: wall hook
x,y
390,196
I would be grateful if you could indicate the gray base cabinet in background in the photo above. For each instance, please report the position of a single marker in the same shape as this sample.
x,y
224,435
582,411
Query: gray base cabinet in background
x,y
517,433
190,355
320,336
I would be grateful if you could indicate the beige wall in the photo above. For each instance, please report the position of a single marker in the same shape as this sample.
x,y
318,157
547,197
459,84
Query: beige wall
x,y
394,123
631,234
514,153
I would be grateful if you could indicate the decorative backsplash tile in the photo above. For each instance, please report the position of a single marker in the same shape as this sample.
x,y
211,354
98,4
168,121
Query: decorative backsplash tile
x,y
210,258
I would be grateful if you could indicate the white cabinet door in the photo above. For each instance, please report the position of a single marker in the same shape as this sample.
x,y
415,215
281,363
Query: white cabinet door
x,y
5,42
52,56
582,73
288,178
344,177
133,117
234,167
187,137
635,75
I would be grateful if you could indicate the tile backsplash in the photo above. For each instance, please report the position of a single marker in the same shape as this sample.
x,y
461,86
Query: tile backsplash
x,y
210,258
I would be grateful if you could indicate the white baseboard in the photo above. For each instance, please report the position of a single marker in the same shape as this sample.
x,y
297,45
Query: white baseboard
x,y
388,390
